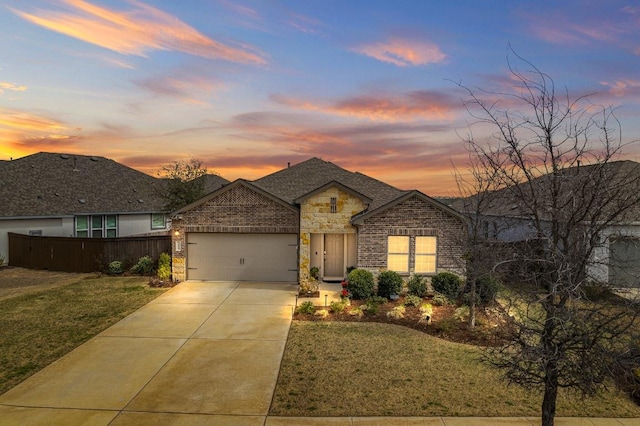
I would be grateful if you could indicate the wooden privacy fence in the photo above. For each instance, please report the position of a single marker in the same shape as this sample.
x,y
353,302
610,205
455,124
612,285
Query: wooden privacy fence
x,y
71,254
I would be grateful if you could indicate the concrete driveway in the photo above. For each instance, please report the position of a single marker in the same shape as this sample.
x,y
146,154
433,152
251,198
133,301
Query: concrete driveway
x,y
209,350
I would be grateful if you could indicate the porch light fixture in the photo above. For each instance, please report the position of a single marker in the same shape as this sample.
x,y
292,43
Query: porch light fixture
x,y
177,233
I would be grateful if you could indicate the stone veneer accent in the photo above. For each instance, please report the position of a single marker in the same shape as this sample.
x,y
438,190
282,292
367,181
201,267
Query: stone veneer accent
x,y
239,210
412,217
316,218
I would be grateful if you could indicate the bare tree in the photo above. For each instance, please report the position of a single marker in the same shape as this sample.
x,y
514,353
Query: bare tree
x,y
184,183
549,175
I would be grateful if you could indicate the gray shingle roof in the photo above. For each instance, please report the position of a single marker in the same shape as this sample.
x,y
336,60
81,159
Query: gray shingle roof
x,y
51,184
302,178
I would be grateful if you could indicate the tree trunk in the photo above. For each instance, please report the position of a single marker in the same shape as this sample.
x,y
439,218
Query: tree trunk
x,y
549,401
472,304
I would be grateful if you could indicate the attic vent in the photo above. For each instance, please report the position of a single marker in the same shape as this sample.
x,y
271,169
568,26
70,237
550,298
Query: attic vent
x,y
64,156
513,207
140,200
334,205
82,201
93,158
40,197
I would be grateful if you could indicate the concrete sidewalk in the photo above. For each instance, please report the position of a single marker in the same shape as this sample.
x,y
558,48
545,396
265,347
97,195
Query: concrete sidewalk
x,y
200,354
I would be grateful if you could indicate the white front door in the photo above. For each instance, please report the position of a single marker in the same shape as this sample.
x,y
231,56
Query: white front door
x,y
334,255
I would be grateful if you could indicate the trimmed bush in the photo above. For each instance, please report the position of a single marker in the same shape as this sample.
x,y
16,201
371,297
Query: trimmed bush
x,y
440,300
306,308
115,267
164,266
417,285
447,283
337,307
389,282
144,266
360,284
486,290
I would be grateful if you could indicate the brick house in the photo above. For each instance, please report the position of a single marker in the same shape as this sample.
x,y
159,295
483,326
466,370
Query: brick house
x,y
313,214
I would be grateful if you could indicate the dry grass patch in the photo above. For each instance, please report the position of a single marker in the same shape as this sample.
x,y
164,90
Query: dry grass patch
x,y
40,327
371,369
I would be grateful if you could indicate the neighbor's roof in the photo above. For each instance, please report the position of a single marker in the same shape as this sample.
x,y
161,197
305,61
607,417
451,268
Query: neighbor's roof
x,y
303,178
51,184
573,182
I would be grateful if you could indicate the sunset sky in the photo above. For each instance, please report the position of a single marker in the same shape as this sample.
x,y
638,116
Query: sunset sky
x,y
249,86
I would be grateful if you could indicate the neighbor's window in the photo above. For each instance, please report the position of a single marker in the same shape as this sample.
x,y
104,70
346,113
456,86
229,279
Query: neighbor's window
x,y
425,258
82,226
334,204
97,226
158,221
398,253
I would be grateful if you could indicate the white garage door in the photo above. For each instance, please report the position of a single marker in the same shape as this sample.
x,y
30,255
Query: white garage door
x,y
242,257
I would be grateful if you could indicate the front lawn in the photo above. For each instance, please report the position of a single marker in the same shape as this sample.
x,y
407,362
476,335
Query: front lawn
x,y
40,327
371,369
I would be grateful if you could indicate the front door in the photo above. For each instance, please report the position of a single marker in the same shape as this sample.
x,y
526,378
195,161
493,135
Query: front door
x,y
334,255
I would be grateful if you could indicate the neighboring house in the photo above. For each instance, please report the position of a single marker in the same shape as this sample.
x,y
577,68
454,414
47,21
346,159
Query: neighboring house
x,y
71,195
313,214
503,217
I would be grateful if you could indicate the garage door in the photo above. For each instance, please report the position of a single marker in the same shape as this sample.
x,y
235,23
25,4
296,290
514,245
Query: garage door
x,y
624,262
242,257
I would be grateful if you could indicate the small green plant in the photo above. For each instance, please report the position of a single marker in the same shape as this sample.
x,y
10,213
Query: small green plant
x,y
356,312
447,283
397,312
322,313
360,284
426,312
314,272
389,282
337,307
417,286
440,299
412,300
306,308
144,266
461,314
115,267
164,267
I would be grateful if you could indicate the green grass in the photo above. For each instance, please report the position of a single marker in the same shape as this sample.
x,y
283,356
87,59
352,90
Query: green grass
x,y
40,327
371,369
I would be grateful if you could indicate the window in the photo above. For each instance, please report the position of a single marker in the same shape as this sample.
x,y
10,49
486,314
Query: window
x,y
82,226
398,253
97,226
334,205
426,255
158,221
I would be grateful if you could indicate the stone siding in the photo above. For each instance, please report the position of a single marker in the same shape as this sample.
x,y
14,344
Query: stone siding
x,y
316,218
414,217
238,210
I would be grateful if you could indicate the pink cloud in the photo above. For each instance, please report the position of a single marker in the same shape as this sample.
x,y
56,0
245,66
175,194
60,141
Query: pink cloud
x,y
136,32
403,52
621,88
415,105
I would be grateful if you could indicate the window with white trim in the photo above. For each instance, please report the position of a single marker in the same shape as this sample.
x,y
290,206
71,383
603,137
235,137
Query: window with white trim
x,y
398,253
158,221
425,255
97,226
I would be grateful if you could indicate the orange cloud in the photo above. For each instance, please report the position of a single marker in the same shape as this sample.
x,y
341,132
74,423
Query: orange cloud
x,y
402,52
11,86
415,105
136,32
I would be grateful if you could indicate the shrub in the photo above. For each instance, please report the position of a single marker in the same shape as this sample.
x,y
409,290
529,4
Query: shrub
x,y
356,312
396,313
417,285
115,267
314,272
412,300
2,259
426,311
440,300
144,266
350,268
164,266
389,282
322,313
486,290
360,284
306,308
337,307
447,283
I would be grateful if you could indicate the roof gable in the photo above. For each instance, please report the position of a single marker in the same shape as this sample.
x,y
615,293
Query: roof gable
x,y
360,218
303,178
229,187
333,184
52,184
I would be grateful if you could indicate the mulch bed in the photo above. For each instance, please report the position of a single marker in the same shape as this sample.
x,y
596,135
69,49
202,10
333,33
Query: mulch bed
x,y
491,322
